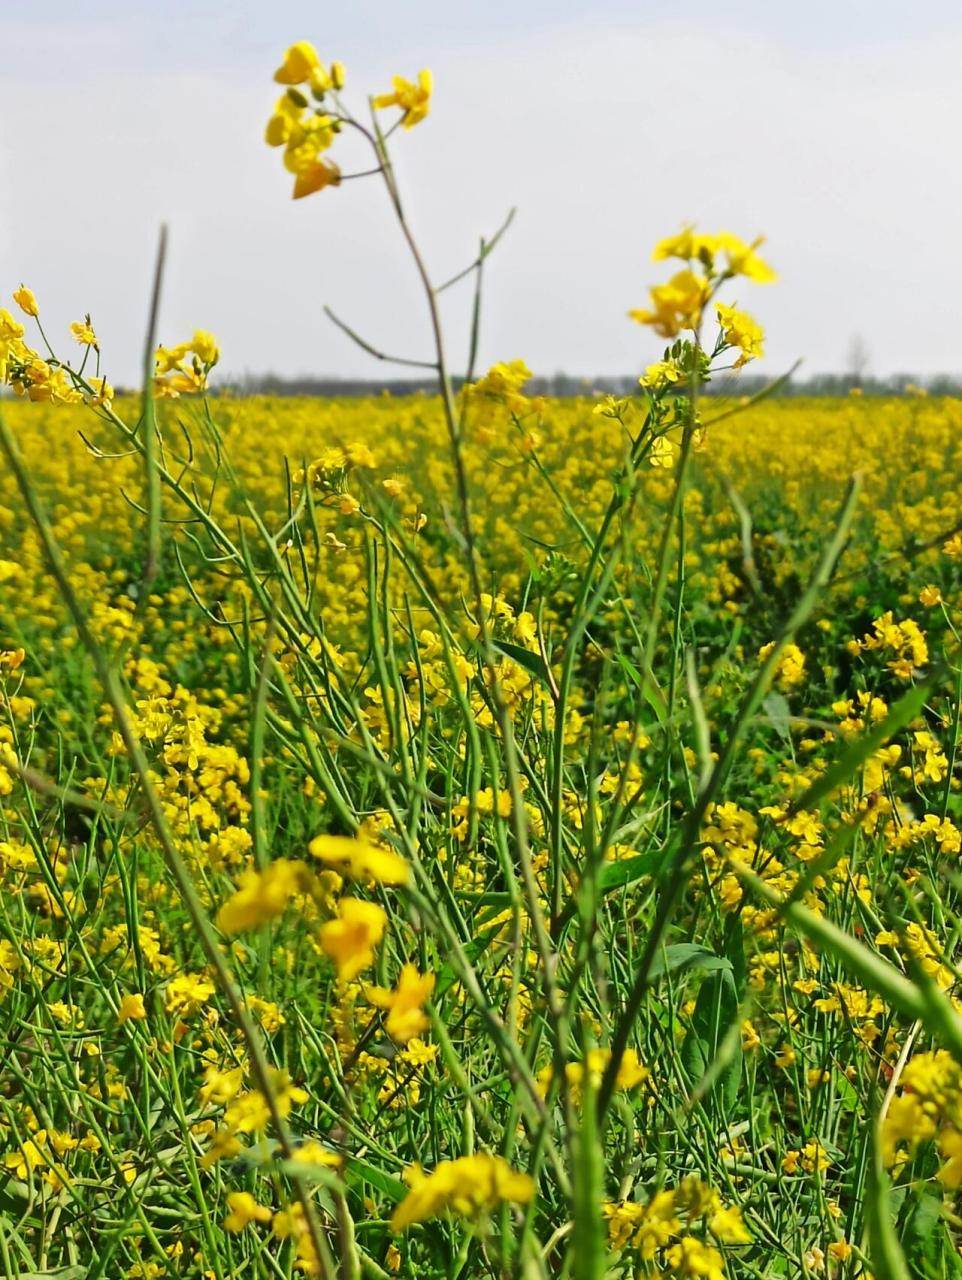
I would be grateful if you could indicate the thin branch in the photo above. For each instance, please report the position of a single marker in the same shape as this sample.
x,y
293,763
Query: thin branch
x,y
373,351
486,248
151,474
75,799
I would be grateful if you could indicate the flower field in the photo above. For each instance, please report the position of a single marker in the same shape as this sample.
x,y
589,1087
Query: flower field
x,y
470,834
129,1113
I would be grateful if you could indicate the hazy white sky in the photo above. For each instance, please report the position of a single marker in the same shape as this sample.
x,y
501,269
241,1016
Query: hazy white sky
x,y
829,127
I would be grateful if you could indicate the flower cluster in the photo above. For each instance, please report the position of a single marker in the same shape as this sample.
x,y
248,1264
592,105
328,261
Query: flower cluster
x,y
184,369
45,378
681,1226
497,399
469,1186
679,304
307,132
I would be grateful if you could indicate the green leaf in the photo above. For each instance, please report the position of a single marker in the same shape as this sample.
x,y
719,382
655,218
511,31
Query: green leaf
x,y
779,714
649,686
923,1236
64,1273
360,1170
686,955
630,670
533,663
735,953
615,875
713,1048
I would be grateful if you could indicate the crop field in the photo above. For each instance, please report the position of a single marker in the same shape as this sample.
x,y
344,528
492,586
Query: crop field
x,y
470,834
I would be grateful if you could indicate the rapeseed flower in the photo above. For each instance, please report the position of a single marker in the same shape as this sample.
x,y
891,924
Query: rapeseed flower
x,y
741,331
351,938
131,1008
405,1015
676,305
26,301
360,860
244,1209
467,1186
414,99
263,895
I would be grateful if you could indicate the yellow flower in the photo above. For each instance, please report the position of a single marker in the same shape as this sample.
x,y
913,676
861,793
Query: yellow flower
x,y
186,375
790,669
686,245
300,61
83,332
661,453
406,1018
676,305
303,140
741,331
186,994
466,1186
27,1156
631,1072
360,860
315,177
417,1053
689,1257
169,358
131,1009
750,1037
284,120
659,375
950,1149
743,260
350,939
497,398
647,1227
243,1210
25,300
930,596
220,1086
814,1157
727,1225
10,330
307,141
11,344
413,99
204,346
262,895
101,392
312,1152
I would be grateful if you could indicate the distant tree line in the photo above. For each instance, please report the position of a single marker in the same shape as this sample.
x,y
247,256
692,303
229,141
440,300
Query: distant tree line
x,y
567,385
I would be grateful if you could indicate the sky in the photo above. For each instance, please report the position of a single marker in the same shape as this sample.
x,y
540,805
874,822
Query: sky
x,y
829,128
